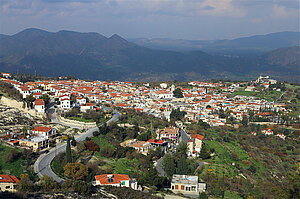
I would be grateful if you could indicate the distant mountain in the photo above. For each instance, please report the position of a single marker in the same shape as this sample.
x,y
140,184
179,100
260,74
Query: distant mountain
x,y
286,57
94,56
254,44
3,36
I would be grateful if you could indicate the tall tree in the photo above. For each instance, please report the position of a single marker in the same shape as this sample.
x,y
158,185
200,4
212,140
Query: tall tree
x,y
48,184
25,184
76,171
182,166
182,148
177,93
46,98
169,165
68,151
176,114
73,141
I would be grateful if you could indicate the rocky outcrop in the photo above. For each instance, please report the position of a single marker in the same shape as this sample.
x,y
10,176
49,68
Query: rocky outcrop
x,y
12,118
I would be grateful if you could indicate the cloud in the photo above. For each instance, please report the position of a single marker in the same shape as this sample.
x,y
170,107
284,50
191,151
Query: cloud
x,y
279,11
179,18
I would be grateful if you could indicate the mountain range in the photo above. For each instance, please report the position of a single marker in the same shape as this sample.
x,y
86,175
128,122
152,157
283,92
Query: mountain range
x,y
254,44
94,56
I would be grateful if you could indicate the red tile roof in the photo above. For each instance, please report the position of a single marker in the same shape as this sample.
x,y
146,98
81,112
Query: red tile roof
x,y
39,102
42,128
7,178
200,137
117,178
156,141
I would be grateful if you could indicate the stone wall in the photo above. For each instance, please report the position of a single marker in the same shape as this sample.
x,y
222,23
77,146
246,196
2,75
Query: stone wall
x,y
77,123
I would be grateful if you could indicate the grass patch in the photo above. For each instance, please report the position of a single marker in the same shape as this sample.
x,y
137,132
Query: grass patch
x,y
101,141
231,195
80,119
126,166
234,147
13,168
269,95
222,154
57,168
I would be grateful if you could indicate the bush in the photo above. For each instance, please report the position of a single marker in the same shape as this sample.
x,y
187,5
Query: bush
x,y
107,151
81,187
91,146
12,155
252,169
96,133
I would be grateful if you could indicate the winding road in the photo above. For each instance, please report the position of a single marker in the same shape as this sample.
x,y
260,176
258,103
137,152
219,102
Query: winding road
x,y
42,164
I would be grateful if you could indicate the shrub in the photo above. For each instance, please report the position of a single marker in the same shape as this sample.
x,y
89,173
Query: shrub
x,y
92,146
12,155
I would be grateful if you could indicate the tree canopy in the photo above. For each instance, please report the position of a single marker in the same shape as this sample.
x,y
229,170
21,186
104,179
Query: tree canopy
x,y
177,93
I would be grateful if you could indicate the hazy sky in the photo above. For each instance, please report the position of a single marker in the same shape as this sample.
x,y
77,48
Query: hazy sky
x,y
182,19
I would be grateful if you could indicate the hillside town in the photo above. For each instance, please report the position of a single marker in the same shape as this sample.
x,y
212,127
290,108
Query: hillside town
x,y
214,104
202,100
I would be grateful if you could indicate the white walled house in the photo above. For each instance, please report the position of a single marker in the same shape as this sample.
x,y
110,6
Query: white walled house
x,y
65,104
39,106
86,107
186,184
80,100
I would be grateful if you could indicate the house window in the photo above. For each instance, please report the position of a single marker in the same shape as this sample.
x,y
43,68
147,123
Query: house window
x,y
182,187
188,188
193,188
7,187
176,186
172,187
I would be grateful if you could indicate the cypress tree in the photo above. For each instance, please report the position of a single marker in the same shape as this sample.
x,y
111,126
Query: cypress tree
x,y
68,151
73,141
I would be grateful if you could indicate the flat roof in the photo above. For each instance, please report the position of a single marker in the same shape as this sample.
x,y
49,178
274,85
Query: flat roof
x,y
184,179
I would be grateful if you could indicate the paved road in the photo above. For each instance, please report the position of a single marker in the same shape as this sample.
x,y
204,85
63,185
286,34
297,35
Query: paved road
x,y
42,165
160,167
184,136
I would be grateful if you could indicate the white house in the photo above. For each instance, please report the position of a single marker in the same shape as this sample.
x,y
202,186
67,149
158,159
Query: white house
x,y
194,145
86,107
39,106
44,131
65,104
186,184
80,100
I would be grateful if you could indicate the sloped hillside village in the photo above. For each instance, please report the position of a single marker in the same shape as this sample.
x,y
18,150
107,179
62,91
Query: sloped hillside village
x,y
179,106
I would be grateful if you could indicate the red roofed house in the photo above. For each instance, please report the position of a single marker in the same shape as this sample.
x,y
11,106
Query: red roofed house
x,y
80,100
65,102
44,131
8,183
39,139
168,133
118,180
39,106
6,75
194,145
